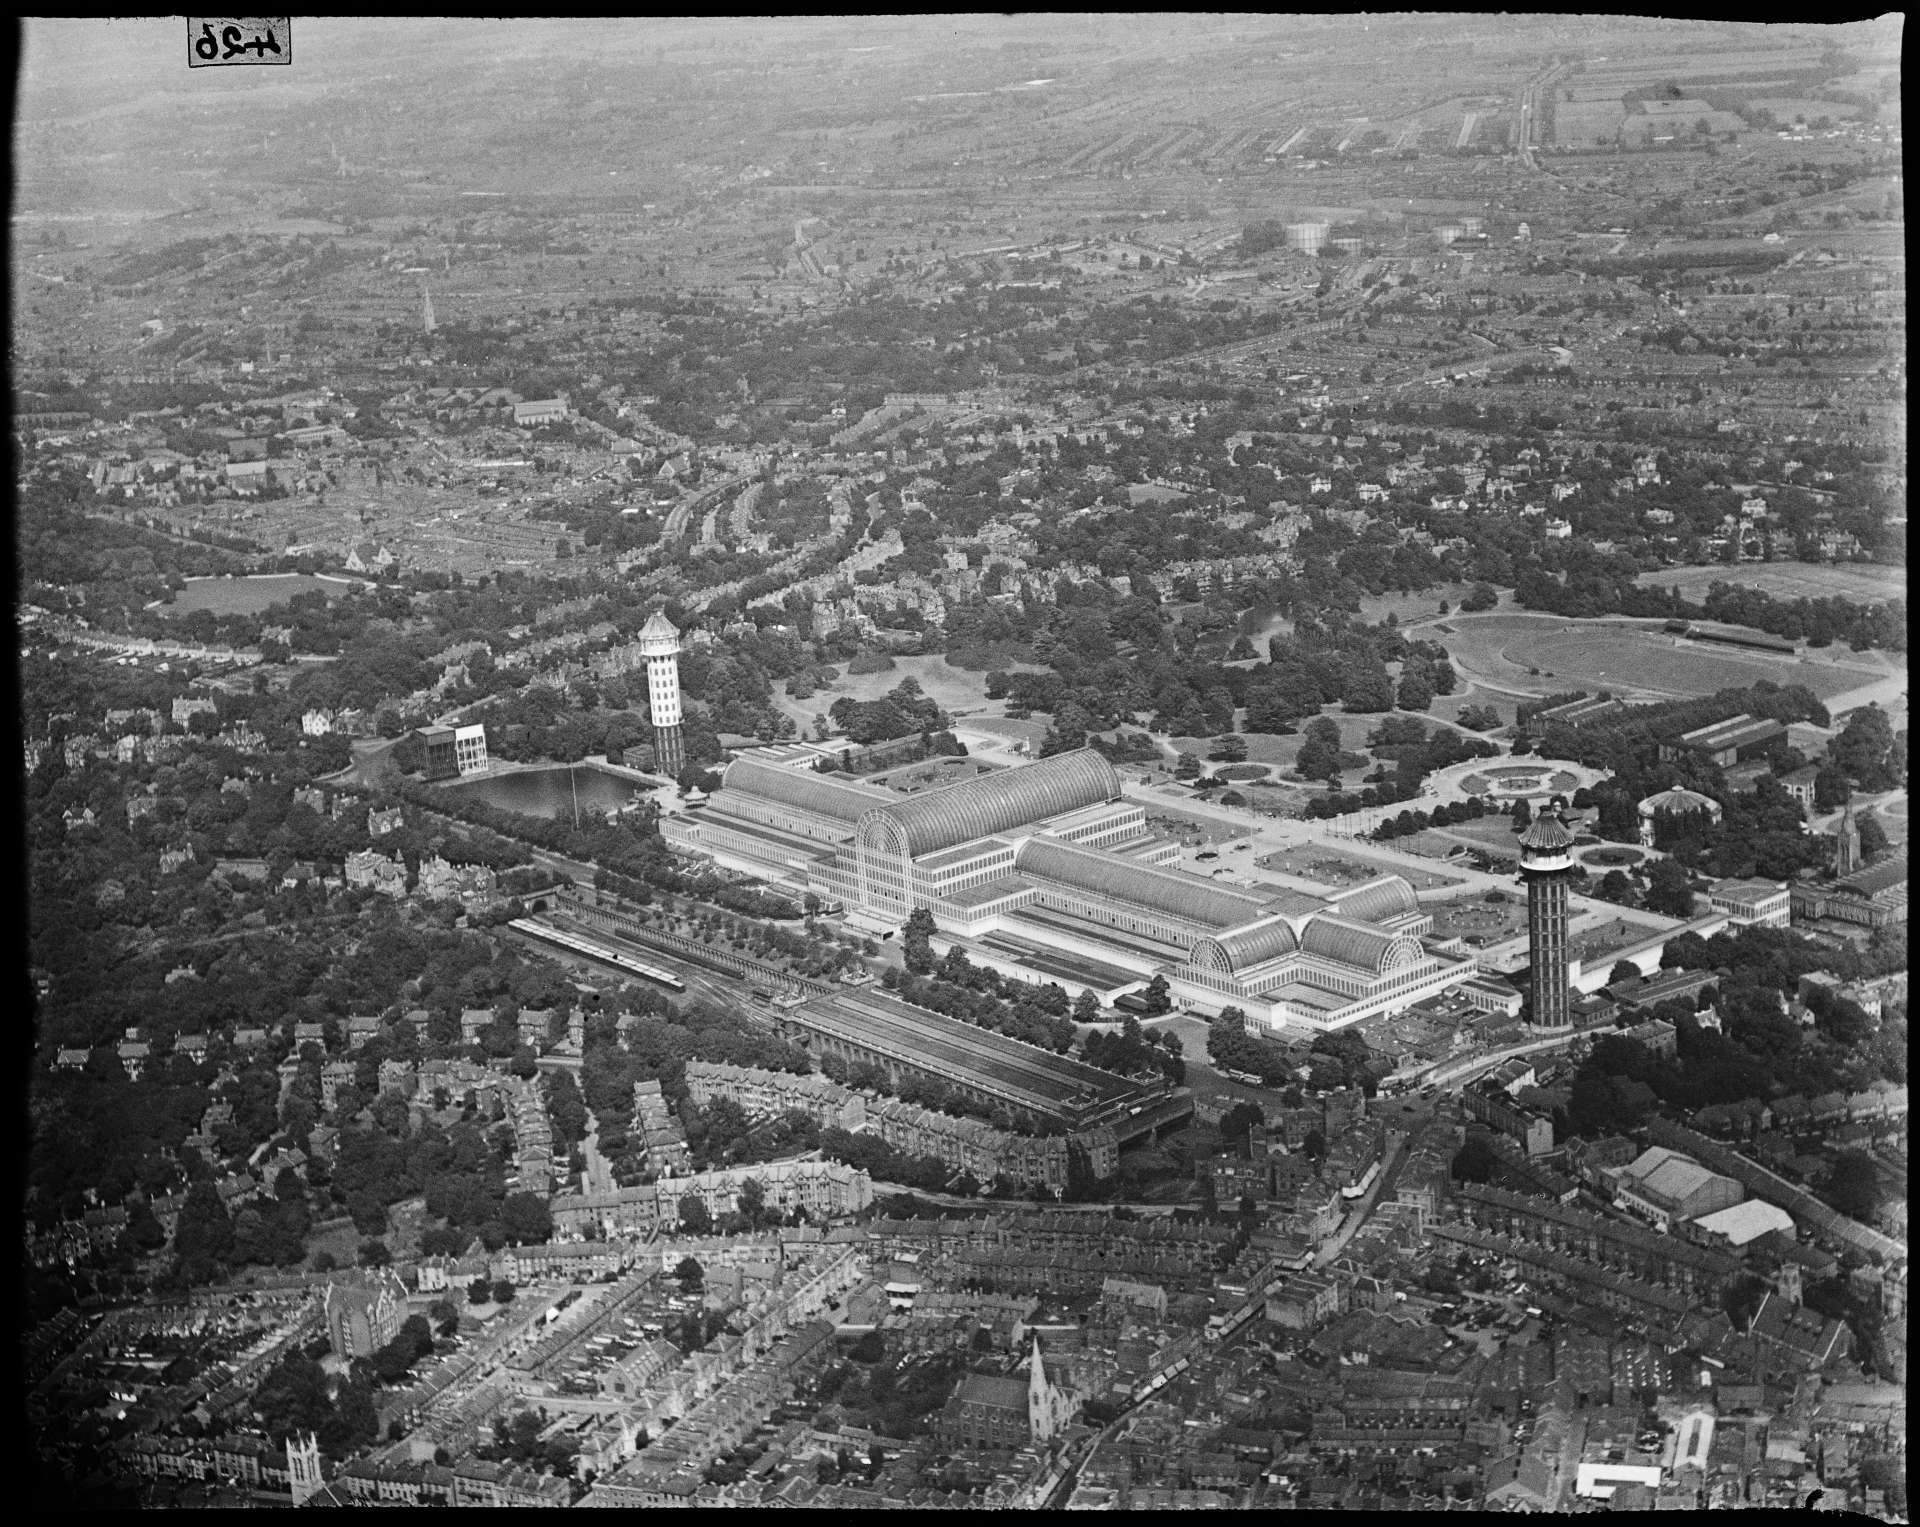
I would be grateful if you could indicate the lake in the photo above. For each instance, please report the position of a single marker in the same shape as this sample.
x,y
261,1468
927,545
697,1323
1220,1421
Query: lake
x,y
550,792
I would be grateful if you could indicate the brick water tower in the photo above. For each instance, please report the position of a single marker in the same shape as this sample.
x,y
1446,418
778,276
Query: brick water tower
x,y
1546,865
660,646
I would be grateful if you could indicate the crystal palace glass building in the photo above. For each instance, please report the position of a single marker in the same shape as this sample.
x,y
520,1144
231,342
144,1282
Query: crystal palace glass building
x,y
1052,856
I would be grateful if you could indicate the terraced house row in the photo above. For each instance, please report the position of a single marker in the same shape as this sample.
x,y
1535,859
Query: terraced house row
x,y
965,1145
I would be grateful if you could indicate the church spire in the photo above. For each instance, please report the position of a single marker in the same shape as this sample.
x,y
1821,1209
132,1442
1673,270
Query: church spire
x,y
1048,1406
1846,853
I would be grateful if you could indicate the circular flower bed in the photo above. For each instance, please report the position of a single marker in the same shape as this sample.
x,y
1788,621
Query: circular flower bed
x,y
1614,857
1512,781
1242,771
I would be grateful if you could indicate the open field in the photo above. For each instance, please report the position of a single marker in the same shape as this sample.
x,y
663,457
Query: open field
x,y
1448,707
955,690
1545,654
1494,833
1865,583
1408,609
1002,726
1892,816
1433,843
249,596
1262,748
1787,107
1265,748
1587,124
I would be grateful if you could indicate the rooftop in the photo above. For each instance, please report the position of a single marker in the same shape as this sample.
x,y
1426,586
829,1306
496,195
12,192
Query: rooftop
x,y
1547,834
1663,1174
1678,799
1735,731
993,803
1879,877
1747,1221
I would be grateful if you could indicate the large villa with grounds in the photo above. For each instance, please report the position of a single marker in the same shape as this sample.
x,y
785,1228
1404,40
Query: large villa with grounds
x,y
1050,857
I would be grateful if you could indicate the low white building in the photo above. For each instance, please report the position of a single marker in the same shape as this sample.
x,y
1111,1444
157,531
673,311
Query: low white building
x,y
1746,1222
1598,1481
1757,902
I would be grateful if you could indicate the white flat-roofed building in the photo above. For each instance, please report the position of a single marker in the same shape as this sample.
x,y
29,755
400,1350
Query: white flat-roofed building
x,y
1758,902
1746,1222
1598,1481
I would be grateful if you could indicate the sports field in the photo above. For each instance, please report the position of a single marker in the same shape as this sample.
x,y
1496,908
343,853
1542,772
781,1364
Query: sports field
x,y
1864,583
250,596
1495,834
1545,654
954,690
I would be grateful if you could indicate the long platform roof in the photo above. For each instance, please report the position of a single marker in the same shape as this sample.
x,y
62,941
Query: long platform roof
x,y
1021,1073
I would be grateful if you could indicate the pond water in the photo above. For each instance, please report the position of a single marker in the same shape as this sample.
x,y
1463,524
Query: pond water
x,y
551,792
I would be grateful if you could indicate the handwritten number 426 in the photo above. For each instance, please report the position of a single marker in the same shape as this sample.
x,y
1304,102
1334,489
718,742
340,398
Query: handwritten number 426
x,y
230,37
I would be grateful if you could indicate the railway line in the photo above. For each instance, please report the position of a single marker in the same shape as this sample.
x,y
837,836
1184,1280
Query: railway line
x,y
625,925
980,1060
598,950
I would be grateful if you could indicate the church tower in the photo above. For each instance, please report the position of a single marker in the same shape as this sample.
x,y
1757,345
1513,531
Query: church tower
x,y
1048,1407
426,298
303,1468
1846,852
1546,865
660,646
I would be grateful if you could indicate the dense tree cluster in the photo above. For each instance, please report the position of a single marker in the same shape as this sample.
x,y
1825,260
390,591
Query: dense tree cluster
x,y
1134,1052
630,849
974,994
517,1440
1759,1051
1761,832
886,1164
1868,752
901,711
1232,1048
297,1398
1446,814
